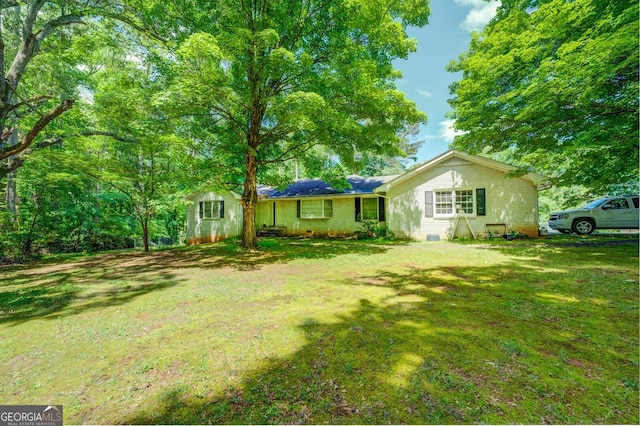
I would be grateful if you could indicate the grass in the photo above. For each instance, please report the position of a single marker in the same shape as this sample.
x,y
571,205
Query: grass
x,y
329,331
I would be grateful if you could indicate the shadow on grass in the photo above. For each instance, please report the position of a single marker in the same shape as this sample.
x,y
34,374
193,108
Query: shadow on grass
x,y
448,345
50,289
59,296
271,251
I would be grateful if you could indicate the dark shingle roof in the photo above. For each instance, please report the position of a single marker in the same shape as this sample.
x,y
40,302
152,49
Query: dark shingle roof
x,y
317,187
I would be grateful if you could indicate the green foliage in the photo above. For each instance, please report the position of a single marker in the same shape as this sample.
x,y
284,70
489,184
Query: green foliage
x,y
40,70
115,172
62,211
556,83
383,165
233,91
371,229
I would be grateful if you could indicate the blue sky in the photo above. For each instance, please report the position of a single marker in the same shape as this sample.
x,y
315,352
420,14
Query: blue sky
x,y
425,80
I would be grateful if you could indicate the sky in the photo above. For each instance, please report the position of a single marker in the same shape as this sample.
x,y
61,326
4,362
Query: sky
x,y
425,80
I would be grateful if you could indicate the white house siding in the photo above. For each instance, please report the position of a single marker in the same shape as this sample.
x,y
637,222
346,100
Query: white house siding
x,y
342,221
512,201
201,230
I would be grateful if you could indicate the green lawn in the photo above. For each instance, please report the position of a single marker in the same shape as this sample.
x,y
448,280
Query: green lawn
x,y
328,331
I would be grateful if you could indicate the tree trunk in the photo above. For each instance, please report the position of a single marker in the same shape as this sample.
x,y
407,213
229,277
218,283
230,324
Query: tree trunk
x,y
12,193
258,109
96,213
12,198
28,242
145,234
249,202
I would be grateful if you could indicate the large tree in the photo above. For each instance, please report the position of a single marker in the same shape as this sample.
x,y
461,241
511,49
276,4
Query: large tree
x,y
128,145
146,161
269,81
29,32
24,27
555,83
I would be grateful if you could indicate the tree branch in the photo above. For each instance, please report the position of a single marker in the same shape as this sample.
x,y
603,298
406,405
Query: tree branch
x,y
31,42
302,147
39,99
108,134
7,134
35,130
9,166
3,83
52,141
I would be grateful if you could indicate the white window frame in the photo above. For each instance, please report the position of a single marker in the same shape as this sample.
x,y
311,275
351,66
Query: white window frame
x,y
377,208
326,209
454,203
208,210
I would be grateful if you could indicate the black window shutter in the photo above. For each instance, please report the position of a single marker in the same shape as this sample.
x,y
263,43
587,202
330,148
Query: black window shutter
x,y
428,203
222,209
201,209
381,211
357,208
298,208
481,202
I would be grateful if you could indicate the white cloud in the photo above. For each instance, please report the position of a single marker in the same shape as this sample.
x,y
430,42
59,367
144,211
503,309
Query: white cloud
x,y
425,93
480,14
446,132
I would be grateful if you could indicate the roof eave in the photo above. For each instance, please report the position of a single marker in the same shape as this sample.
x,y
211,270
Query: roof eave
x,y
534,178
299,197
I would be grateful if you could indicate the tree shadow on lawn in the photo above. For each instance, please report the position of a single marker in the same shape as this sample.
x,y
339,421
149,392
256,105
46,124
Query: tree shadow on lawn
x,y
228,253
448,345
61,295
71,287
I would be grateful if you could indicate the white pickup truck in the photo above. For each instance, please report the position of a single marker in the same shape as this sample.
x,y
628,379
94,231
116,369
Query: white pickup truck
x,y
604,213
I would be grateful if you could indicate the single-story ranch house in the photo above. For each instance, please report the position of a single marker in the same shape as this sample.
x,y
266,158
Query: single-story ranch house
x,y
454,194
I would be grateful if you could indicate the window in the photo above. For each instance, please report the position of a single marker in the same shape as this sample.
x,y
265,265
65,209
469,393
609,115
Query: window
x,y
315,209
444,202
370,209
464,201
617,204
450,202
211,210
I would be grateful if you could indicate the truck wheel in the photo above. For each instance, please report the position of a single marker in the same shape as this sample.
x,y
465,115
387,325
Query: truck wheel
x,y
583,226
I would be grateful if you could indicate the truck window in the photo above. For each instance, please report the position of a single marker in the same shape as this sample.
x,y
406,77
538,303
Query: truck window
x,y
619,203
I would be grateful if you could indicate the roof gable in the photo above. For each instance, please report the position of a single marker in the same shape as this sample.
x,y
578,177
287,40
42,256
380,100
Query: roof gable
x,y
454,158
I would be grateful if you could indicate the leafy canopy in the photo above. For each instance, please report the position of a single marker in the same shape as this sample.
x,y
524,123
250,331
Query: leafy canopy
x,y
556,83
305,73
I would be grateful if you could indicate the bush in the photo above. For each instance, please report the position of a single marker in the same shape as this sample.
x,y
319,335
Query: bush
x,y
371,229
12,247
